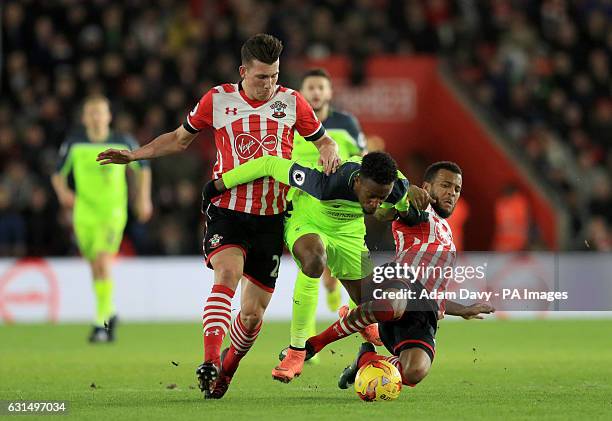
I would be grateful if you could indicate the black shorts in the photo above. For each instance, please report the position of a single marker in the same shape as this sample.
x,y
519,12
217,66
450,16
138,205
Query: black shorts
x,y
259,237
416,329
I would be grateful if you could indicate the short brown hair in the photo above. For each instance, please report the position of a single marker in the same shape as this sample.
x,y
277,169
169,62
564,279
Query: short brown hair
x,y
317,72
262,47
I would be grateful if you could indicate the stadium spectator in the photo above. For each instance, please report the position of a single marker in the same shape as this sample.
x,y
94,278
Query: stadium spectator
x,y
541,69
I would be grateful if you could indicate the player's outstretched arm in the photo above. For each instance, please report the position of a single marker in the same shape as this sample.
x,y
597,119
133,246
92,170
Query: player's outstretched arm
x,y
265,166
165,144
474,311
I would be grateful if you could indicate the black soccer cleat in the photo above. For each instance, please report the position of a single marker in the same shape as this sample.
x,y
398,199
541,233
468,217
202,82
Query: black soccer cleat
x,y
310,352
348,375
111,327
207,374
98,335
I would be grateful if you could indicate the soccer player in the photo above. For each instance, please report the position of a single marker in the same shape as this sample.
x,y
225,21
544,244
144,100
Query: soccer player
x,y
326,226
100,202
244,234
407,329
345,130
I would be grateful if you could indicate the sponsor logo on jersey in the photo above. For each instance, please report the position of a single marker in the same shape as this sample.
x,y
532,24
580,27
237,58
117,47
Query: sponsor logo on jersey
x,y
232,111
279,109
299,177
247,145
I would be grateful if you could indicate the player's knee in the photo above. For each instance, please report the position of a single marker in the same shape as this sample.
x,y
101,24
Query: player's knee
x,y
313,266
399,307
227,275
413,374
251,319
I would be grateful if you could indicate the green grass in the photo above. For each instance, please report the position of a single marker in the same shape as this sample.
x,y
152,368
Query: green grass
x,y
483,370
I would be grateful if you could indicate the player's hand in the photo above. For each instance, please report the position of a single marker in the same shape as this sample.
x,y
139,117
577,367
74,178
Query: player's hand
x,y
211,190
419,197
475,311
66,200
115,156
144,211
328,157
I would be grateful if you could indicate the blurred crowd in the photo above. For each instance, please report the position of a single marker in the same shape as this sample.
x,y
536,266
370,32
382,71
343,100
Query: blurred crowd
x,y
542,66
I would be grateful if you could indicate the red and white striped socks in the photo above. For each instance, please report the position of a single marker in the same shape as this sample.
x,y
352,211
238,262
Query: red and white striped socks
x,y
216,321
373,356
354,321
242,340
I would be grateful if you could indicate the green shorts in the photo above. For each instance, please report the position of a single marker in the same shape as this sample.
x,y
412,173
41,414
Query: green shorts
x,y
95,236
348,258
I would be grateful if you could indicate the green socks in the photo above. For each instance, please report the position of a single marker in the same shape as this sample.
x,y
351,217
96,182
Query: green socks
x,y
305,298
104,301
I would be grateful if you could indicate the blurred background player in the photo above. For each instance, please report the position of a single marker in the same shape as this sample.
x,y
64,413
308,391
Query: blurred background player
x,y
100,202
244,226
344,128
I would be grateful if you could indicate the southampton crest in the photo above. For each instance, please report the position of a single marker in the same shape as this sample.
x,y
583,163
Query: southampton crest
x,y
279,109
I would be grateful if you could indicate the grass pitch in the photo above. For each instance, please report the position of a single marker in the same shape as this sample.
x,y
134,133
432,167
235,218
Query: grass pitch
x,y
493,369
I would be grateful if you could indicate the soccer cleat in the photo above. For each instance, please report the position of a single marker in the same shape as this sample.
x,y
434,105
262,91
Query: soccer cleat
x,y
348,375
111,327
207,374
222,383
334,299
310,352
369,333
98,335
290,367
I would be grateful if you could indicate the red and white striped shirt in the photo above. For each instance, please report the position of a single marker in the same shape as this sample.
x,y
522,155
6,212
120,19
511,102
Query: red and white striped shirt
x,y
429,245
246,129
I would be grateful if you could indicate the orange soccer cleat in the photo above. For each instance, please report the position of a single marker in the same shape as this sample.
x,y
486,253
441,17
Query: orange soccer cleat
x,y
369,334
290,367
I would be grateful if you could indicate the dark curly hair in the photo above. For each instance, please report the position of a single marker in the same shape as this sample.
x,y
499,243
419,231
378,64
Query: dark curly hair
x,y
379,167
432,170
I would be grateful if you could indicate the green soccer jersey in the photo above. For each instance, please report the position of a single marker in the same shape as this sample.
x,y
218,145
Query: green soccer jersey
x,y
343,128
329,200
100,190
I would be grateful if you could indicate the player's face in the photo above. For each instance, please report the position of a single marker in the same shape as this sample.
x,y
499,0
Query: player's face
x,y
371,194
317,91
96,115
445,189
259,79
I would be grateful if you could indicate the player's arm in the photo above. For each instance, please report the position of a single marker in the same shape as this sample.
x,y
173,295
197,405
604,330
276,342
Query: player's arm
x,y
59,180
310,180
165,144
474,311
65,196
142,169
328,154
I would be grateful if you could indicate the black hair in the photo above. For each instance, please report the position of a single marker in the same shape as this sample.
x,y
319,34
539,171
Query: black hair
x,y
432,170
317,72
263,47
379,167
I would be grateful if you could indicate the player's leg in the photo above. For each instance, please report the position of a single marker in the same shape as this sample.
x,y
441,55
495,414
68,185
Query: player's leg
x,y
357,319
307,245
99,242
246,325
259,279
224,244
332,286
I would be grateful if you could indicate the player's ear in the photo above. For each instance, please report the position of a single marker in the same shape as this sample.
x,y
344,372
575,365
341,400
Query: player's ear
x,y
242,70
427,186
